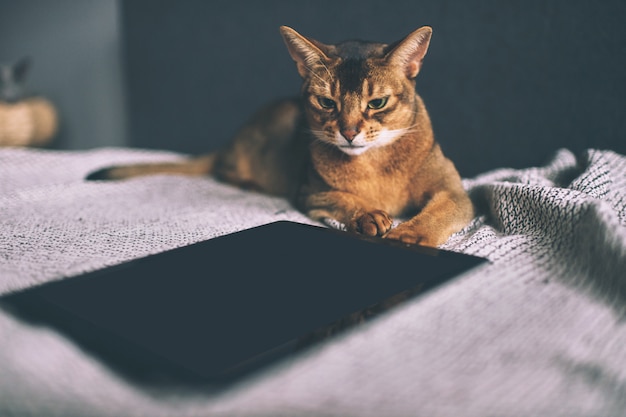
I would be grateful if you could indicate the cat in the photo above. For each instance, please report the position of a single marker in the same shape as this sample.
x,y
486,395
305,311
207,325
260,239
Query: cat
x,y
357,147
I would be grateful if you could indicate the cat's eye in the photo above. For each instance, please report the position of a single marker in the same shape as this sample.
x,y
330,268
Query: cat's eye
x,y
377,103
326,103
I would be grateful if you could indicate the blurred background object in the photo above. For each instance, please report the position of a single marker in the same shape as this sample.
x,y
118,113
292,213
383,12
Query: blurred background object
x,y
506,83
25,120
75,49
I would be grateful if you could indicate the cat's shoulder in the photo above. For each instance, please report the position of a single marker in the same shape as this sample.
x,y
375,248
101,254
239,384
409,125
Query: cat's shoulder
x,y
283,112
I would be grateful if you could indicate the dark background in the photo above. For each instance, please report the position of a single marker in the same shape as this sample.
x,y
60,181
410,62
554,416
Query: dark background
x,y
506,83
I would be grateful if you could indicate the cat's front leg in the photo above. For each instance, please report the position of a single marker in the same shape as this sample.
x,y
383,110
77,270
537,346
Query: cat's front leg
x,y
446,213
352,211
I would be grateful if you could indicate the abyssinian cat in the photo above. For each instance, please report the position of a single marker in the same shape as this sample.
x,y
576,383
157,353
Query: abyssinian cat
x,y
356,147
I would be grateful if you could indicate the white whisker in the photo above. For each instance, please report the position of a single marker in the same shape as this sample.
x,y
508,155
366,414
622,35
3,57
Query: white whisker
x,y
327,70
319,134
314,74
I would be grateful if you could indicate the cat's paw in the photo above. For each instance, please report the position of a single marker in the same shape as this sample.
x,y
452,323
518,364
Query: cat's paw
x,y
413,235
372,223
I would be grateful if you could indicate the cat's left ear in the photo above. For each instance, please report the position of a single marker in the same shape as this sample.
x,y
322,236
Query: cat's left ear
x,y
307,53
410,51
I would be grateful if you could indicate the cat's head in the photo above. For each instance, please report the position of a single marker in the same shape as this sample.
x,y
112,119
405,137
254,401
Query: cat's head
x,y
12,80
359,95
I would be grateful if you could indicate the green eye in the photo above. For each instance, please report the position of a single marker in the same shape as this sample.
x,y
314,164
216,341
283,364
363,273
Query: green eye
x,y
326,103
377,103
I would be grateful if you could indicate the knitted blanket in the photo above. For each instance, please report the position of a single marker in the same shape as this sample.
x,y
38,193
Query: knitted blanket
x,y
539,331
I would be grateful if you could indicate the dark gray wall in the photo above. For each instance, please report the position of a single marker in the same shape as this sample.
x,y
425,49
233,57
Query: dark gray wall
x,y
506,83
75,49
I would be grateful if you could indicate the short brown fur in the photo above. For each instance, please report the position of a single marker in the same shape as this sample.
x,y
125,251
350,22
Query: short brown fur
x,y
356,147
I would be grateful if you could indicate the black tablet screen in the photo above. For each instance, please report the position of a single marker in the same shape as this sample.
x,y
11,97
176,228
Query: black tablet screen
x,y
223,306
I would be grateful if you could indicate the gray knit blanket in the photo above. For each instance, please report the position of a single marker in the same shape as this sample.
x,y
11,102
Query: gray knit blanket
x,y
539,331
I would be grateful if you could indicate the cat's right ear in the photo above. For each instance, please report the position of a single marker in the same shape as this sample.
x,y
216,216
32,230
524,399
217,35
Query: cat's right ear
x,y
409,52
306,53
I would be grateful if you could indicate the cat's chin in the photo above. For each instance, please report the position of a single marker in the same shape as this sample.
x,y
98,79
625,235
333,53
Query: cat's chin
x,y
353,150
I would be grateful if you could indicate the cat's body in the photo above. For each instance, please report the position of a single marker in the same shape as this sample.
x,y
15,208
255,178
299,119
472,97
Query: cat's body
x,y
356,147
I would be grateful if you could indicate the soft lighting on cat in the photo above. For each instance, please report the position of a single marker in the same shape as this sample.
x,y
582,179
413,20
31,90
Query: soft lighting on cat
x,y
356,147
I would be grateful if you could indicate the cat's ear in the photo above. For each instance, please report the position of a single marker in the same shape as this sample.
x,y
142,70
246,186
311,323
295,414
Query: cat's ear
x,y
307,53
410,51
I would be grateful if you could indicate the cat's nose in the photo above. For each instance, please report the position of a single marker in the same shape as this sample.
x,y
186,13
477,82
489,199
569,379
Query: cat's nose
x,y
349,133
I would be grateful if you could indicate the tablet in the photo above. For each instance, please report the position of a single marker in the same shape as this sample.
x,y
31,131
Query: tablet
x,y
218,309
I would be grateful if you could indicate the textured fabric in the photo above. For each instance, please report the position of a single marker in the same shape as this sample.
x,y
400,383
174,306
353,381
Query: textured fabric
x,y
539,331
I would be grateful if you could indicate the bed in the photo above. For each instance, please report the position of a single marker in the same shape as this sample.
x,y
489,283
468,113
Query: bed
x,y
538,331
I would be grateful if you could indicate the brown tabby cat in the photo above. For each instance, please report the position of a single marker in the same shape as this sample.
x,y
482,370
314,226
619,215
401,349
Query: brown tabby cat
x,y
356,147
